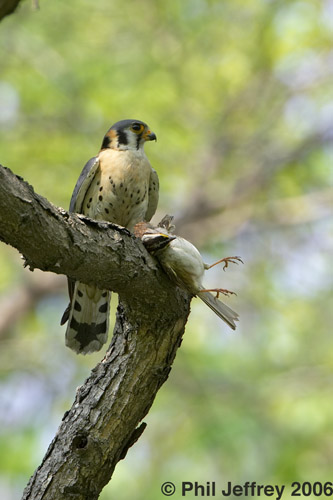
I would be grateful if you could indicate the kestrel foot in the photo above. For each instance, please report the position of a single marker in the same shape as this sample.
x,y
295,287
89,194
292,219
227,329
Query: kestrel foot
x,y
226,261
218,291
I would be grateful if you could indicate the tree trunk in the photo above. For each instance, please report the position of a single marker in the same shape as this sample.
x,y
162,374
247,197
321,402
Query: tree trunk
x,y
103,421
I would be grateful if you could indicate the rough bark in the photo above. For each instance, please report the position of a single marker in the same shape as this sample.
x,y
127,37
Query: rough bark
x,y
103,421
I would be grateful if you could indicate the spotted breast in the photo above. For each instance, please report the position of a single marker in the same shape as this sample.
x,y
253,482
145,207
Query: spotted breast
x,y
118,185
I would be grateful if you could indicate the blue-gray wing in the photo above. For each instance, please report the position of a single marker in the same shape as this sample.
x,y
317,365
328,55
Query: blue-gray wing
x,y
82,185
79,193
153,195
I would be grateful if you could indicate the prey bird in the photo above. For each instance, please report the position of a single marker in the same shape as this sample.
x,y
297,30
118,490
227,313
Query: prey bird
x,y
184,265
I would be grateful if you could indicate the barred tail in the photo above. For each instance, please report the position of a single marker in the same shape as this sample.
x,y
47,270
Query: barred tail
x,y
88,319
222,310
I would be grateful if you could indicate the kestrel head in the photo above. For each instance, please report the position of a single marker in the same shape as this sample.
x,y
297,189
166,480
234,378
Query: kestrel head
x,y
127,134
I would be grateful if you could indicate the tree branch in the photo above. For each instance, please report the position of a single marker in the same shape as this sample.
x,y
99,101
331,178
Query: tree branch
x,y
7,7
103,421
99,253
237,207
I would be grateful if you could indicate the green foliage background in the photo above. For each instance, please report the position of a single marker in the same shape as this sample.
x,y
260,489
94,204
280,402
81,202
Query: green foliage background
x,y
239,93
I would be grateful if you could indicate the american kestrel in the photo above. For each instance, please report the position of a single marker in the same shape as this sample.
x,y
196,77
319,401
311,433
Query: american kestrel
x,y
184,265
118,185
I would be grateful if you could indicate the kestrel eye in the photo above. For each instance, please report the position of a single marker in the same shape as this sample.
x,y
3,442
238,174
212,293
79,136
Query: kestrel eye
x,y
137,127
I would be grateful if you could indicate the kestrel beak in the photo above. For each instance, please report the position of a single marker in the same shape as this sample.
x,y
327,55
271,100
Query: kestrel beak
x,y
149,136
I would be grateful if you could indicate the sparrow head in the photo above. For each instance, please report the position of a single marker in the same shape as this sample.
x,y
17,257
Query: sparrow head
x,y
154,242
128,134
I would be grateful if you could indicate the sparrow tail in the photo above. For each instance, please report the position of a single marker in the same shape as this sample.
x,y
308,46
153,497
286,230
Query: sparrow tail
x,y
222,310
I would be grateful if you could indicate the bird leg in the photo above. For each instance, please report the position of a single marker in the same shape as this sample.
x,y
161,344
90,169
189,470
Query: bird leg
x,y
218,291
226,261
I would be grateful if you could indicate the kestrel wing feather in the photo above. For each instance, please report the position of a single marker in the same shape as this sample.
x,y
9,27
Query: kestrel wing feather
x,y
83,183
80,190
153,195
